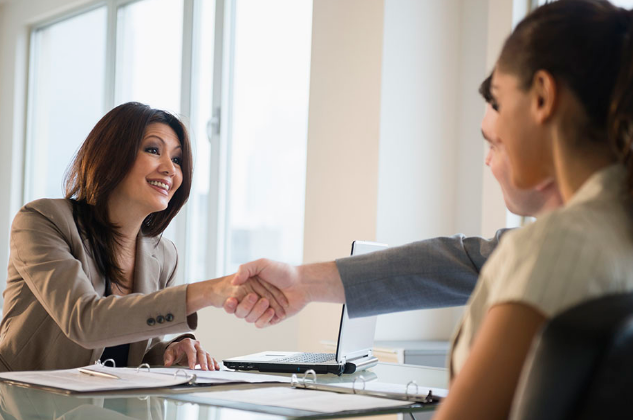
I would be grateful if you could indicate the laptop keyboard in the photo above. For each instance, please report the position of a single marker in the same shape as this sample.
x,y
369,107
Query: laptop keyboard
x,y
308,358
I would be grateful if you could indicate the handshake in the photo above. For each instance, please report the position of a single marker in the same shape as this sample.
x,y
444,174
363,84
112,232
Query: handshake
x,y
266,292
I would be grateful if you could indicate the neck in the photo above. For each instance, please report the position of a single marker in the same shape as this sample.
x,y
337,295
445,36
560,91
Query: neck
x,y
128,224
553,199
574,165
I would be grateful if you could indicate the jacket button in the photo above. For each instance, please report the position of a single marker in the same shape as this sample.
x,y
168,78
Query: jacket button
x,y
160,319
151,321
169,317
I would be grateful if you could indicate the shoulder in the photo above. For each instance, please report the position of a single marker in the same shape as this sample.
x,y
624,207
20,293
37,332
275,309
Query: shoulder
x,y
59,212
564,257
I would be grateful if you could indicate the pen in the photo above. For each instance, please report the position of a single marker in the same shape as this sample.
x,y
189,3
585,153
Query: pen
x,y
97,373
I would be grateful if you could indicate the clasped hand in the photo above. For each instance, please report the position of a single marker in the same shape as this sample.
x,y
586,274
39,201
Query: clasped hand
x,y
275,293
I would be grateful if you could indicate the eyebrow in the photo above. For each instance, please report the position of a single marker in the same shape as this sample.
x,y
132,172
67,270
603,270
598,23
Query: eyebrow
x,y
163,141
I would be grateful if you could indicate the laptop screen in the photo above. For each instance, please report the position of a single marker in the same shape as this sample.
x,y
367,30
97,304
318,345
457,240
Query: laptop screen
x,y
356,335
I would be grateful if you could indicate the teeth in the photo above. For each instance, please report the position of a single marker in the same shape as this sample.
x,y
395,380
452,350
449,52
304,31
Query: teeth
x,y
159,184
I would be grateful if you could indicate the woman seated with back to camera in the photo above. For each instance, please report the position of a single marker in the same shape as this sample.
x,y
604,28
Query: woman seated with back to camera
x,y
91,277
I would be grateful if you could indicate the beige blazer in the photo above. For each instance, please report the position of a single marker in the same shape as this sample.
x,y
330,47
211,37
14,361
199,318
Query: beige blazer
x,y
55,313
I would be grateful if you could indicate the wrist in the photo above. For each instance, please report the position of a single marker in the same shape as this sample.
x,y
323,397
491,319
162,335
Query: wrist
x,y
206,293
218,291
322,282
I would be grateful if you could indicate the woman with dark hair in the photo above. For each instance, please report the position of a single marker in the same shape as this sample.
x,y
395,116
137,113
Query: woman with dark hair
x,y
563,89
89,275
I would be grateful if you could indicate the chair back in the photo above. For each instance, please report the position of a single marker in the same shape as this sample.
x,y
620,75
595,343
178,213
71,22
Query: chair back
x,y
581,365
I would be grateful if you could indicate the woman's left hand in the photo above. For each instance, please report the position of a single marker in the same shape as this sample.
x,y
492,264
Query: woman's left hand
x,y
188,352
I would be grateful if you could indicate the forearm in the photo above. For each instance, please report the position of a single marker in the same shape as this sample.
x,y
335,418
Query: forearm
x,y
207,293
322,282
433,273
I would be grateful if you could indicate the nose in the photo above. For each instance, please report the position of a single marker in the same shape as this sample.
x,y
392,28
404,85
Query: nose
x,y
488,158
167,167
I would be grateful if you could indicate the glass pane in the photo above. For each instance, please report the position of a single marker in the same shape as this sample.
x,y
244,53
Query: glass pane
x,y
627,4
149,53
201,95
66,97
268,131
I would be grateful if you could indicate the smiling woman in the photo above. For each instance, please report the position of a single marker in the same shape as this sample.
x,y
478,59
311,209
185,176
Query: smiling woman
x,y
90,275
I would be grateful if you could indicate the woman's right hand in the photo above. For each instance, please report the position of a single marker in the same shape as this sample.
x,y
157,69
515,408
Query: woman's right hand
x,y
266,302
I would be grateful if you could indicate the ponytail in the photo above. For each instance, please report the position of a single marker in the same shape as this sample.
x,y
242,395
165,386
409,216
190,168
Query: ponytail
x,y
620,118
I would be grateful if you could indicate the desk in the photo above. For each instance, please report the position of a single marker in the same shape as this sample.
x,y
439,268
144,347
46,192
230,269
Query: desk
x,y
26,403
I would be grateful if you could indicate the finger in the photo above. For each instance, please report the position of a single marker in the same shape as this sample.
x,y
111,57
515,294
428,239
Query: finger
x,y
248,270
168,357
217,364
246,305
192,354
202,358
211,363
264,320
230,305
258,310
275,292
260,288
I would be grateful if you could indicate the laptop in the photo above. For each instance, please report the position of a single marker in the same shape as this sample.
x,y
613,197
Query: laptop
x,y
353,348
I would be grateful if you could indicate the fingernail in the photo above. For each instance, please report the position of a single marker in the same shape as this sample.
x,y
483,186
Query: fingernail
x,y
231,303
252,298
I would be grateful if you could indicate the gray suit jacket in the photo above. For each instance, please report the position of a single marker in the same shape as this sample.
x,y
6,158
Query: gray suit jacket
x,y
434,273
55,313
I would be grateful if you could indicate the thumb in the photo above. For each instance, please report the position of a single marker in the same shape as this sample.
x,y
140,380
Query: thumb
x,y
246,271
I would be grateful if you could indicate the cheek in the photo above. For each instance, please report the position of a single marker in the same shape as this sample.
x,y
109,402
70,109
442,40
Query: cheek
x,y
177,182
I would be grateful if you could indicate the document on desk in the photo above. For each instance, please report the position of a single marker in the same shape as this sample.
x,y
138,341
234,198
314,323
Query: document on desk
x,y
303,399
96,378
381,388
211,377
74,380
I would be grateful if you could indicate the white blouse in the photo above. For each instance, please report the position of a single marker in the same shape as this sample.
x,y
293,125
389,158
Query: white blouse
x,y
574,254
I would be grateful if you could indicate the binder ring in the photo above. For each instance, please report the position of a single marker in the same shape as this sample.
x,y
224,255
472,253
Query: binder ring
x,y
407,388
106,361
294,381
310,372
191,378
144,365
354,384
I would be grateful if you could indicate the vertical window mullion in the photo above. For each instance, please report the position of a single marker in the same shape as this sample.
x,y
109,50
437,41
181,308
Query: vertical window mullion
x,y
217,136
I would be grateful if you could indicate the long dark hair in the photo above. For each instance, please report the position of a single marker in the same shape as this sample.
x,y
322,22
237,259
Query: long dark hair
x,y
587,45
102,162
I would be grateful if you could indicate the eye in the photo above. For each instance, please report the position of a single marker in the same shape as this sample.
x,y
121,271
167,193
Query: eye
x,y
151,149
177,161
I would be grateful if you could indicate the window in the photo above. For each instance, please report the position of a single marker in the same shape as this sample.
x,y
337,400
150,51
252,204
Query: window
x,y
237,71
268,129
67,80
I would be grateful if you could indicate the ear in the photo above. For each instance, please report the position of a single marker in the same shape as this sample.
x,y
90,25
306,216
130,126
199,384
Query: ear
x,y
544,94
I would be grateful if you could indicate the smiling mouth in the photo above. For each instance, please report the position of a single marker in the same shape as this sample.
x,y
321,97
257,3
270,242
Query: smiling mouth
x,y
159,185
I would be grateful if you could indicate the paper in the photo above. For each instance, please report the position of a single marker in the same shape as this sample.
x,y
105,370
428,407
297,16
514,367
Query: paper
x,y
386,388
303,399
226,376
73,380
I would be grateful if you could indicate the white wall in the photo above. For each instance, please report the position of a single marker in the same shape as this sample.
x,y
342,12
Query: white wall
x,y
343,138
430,147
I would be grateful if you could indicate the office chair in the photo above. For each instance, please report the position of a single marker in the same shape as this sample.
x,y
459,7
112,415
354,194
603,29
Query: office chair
x,y
581,365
